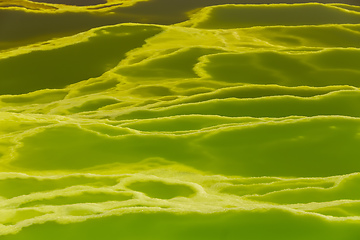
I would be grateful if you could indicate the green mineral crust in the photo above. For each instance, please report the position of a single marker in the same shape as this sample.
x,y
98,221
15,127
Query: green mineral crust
x,y
224,121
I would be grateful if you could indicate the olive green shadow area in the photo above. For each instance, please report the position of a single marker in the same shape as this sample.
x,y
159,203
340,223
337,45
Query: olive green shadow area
x,y
151,91
344,210
72,148
321,147
81,198
310,36
73,2
232,16
46,96
255,225
183,123
307,148
99,86
240,189
93,105
346,189
315,69
20,28
60,67
344,103
177,65
258,91
14,187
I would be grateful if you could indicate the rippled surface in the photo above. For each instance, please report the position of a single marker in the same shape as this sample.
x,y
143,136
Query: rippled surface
x,y
242,122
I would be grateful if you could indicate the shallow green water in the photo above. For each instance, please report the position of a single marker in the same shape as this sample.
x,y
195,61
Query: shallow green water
x,y
242,122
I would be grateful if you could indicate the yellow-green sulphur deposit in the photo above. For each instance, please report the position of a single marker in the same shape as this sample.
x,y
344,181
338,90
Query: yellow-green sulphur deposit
x,y
220,120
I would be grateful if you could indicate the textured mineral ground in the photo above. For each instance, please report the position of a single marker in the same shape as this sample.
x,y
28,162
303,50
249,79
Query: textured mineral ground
x,y
170,119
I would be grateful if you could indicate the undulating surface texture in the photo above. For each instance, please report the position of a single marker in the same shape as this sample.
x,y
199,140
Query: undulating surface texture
x,y
197,120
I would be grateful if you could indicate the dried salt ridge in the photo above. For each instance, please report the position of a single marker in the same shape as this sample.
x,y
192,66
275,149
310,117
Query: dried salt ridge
x,y
212,128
